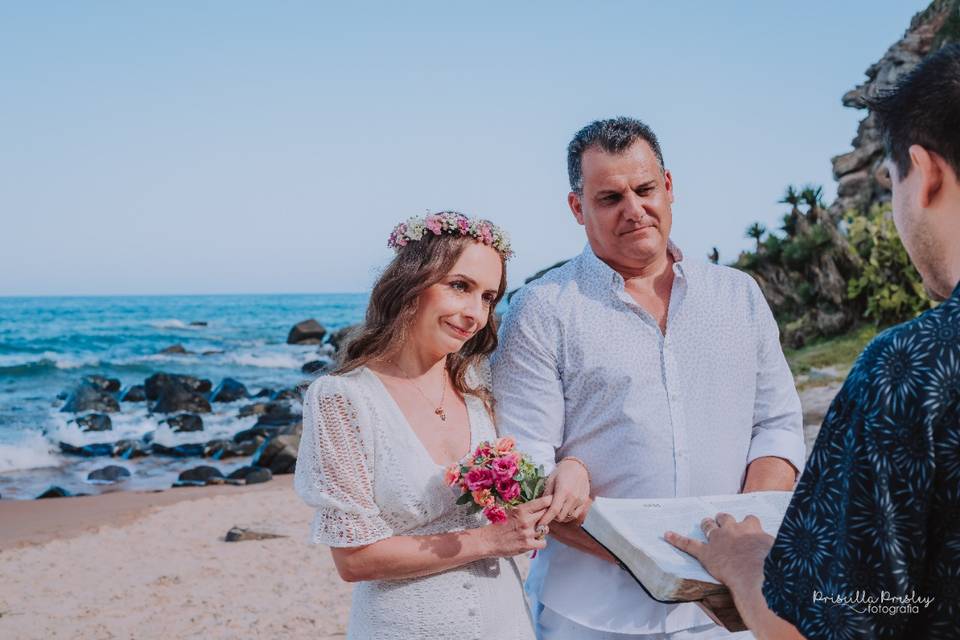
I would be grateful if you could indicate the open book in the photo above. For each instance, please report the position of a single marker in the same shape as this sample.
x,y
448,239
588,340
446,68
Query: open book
x,y
632,530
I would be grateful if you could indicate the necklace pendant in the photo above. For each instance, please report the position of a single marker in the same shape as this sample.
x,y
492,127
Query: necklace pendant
x,y
440,412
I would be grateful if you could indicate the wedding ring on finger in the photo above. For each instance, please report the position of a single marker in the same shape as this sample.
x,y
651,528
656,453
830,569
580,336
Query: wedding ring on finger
x,y
708,526
542,531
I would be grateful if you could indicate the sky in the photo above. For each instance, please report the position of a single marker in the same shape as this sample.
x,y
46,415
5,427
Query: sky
x,y
270,147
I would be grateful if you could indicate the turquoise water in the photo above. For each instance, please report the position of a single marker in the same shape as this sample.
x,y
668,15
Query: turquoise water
x,y
48,344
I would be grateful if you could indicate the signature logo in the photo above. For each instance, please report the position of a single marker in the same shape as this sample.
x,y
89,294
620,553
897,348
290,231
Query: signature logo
x,y
885,604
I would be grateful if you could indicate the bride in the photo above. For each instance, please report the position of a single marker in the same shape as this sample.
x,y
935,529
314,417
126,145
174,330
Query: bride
x,y
410,397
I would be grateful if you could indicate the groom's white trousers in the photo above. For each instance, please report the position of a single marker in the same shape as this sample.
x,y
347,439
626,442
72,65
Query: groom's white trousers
x,y
553,626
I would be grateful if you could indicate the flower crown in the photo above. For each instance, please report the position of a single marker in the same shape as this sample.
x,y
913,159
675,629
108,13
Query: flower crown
x,y
453,223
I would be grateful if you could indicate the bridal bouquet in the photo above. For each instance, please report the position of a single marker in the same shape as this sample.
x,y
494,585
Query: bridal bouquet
x,y
495,478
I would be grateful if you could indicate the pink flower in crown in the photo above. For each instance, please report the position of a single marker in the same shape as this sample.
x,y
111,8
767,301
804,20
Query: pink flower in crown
x,y
504,445
508,489
504,468
434,224
484,498
479,478
464,225
452,475
486,234
495,514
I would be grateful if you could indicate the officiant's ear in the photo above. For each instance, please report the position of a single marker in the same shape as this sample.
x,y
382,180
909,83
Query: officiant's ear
x,y
576,206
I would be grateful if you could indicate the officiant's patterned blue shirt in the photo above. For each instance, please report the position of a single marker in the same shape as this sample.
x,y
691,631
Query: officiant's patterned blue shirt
x,y
877,510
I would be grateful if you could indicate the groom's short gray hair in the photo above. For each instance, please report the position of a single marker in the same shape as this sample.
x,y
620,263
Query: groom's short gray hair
x,y
614,135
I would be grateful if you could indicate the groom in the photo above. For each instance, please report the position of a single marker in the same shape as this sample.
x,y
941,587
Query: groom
x,y
664,377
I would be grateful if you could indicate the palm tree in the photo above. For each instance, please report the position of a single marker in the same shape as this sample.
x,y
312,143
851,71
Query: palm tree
x,y
793,222
813,198
756,231
791,196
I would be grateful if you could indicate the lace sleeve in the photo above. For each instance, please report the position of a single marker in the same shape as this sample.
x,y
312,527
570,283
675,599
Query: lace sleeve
x,y
334,470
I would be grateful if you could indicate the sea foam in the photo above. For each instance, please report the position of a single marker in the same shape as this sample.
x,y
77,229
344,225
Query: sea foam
x,y
32,452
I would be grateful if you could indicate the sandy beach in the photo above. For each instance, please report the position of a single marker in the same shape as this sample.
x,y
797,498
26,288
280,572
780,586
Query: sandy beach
x,y
155,565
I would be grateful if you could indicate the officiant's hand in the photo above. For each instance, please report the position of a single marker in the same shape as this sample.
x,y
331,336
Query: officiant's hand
x,y
569,484
734,551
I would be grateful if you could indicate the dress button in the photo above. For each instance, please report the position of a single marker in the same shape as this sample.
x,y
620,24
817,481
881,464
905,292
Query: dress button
x,y
468,585
471,612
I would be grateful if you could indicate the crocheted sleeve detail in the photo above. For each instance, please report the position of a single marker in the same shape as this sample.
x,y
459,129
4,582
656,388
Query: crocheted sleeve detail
x,y
334,472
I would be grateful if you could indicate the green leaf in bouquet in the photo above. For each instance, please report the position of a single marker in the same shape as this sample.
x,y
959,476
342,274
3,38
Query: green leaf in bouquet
x,y
538,488
474,508
466,498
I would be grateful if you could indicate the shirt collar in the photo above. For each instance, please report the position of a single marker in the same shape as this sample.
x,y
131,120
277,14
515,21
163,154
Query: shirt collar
x,y
599,271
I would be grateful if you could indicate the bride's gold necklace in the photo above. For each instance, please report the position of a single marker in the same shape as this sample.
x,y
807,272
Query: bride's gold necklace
x,y
443,389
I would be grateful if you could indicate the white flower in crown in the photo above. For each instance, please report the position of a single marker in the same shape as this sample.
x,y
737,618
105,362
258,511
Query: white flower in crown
x,y
452,223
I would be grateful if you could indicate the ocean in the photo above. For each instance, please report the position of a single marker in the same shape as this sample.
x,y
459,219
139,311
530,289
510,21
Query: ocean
x,y
47,345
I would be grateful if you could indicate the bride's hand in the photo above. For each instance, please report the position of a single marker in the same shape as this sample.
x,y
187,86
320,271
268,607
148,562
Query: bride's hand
x,y
518,534
569,484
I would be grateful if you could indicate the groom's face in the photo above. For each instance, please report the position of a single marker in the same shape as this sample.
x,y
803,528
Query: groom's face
x,y
625,205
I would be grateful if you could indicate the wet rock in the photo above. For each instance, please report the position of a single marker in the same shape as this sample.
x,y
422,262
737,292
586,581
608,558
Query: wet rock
x,y
251,474
111,473
87,397
129,448
88,450
238,534
287,394
176,399
277,414
134,393
103,383
198,475
279,454
264,393
54,492
158,382
255,433
176,349
95,422
339,338
185,422
306,332
192,450
225,448
229,390
198,323
255,409
315,366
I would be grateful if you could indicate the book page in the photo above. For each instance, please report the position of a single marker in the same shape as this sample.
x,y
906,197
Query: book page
x,y
643,522
768,506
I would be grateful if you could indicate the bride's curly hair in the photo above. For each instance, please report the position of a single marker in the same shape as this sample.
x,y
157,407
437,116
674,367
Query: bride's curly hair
x,y
393,305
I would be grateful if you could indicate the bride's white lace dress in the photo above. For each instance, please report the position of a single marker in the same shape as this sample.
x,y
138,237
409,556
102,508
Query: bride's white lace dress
x,y
369,477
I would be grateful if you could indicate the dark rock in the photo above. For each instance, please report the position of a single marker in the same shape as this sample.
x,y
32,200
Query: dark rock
x,y
306,332
241,473
264,393
177,399
255,432
129,448
111,473
88,450
185,422
103,383
198,323
54,492
95,422
287,394
158,382
255,409
229,390
63,395
292,429
176,349
193,450
199,475
134,393
87,397
278,414
339,338
279,454
224,448
315,366
259,475
237,534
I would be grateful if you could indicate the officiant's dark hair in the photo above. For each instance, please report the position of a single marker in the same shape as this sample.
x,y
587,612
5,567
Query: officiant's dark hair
x,y
614,135
923,109
393,305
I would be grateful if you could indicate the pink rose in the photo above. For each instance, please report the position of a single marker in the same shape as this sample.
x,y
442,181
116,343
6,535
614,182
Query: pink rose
x,y
508,489
484,498
495,514
504,468
434,224
486,234
452,475
463,225
505,444
479,478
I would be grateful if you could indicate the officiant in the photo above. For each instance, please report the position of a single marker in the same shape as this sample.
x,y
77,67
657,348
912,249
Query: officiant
x,y
663,376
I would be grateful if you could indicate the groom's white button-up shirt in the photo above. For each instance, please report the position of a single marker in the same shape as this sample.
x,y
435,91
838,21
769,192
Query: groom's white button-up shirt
x,y
582,370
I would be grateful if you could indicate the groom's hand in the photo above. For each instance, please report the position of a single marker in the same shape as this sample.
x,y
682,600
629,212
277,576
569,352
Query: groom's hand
x,y
569,484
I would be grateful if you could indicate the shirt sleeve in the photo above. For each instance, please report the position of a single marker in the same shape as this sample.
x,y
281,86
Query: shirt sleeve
x,y
334,472
526,380
777,415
